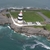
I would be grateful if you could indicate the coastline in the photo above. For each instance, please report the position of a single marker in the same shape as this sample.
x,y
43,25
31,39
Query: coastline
x,y
24,30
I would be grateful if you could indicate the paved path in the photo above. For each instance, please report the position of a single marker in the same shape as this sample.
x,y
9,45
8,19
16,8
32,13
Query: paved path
x,y
45,17
15,22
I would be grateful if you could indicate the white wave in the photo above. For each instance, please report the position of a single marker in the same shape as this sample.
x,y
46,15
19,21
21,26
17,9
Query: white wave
x,y
33,46
30,45
24,46
43,45
28,37
23,34
14,32
9,27
33,36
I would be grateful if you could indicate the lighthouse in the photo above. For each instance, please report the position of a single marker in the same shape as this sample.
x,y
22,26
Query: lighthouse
x,y
20,17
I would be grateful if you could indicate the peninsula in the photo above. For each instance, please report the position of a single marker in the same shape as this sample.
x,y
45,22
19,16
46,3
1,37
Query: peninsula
x,y
31,22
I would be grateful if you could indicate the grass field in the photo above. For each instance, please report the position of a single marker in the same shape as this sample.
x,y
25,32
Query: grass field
x,y
14,14
46,13
47,27
29,16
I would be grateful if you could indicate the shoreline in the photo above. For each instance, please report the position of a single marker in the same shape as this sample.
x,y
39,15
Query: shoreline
x,y
24,30
34,34
31,31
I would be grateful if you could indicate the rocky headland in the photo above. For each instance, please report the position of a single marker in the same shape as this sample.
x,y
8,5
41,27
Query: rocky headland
x,y
31,31
26,30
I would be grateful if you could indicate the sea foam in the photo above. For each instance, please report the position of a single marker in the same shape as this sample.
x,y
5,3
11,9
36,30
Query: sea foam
x,y
32,46
43,45
9,27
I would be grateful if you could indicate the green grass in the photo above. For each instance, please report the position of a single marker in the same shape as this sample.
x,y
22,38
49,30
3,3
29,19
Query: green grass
x,y
47,27
46,13
14,14
8,15
37,26
32,16
29,16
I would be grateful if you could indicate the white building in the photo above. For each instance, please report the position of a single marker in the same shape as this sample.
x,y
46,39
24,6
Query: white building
x,y
20,17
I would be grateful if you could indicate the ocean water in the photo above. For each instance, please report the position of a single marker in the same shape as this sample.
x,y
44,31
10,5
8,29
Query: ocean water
x,y
11,40
25,3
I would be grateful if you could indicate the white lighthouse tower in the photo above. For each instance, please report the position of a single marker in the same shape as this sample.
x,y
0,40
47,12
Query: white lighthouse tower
x,y
20,17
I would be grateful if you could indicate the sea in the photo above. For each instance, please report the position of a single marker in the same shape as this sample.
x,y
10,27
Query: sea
x,y
25,3
11,40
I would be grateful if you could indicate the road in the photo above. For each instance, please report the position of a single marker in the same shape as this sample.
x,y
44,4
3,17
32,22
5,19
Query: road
x,y
45,17
15,22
